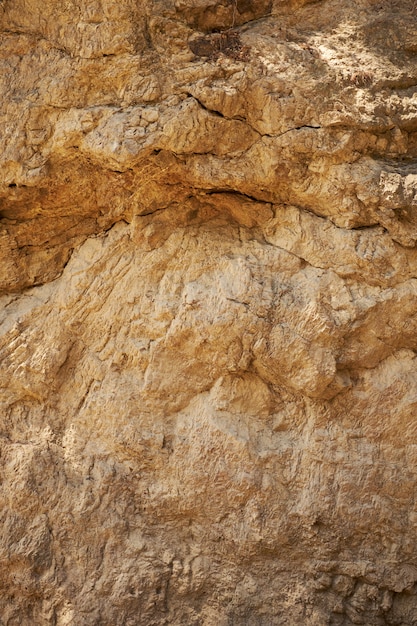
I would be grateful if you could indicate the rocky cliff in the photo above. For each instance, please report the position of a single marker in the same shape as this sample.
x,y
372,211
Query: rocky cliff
x,y
208,312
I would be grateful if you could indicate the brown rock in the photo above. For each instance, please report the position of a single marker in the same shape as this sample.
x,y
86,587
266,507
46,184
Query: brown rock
x,y
208,319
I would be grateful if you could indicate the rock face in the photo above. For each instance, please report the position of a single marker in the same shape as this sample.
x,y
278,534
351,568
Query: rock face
x,y
208,322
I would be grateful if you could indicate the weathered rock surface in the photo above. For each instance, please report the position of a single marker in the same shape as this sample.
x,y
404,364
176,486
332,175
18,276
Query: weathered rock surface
x,y
208,322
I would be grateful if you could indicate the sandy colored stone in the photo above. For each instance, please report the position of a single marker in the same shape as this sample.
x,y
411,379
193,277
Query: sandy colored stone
x,y
208,313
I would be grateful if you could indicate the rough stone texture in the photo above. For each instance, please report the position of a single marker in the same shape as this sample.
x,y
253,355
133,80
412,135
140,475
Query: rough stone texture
x,y
208,322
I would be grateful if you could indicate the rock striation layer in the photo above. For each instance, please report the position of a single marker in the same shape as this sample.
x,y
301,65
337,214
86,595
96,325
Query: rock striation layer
x,y
208,312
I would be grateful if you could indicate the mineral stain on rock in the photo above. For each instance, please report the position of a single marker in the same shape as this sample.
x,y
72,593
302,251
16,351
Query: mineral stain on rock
x,y
227,42
208,313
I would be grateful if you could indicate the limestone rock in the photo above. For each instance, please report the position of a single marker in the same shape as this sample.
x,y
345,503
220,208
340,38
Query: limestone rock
x,y
208,312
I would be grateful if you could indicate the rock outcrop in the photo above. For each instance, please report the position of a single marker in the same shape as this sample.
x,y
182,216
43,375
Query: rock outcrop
x,y
208,322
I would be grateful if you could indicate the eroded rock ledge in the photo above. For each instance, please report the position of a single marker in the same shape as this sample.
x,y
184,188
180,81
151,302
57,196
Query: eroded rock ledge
x,y
208,321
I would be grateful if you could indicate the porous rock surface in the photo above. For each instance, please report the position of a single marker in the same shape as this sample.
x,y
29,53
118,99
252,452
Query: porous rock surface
x,y
208,321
